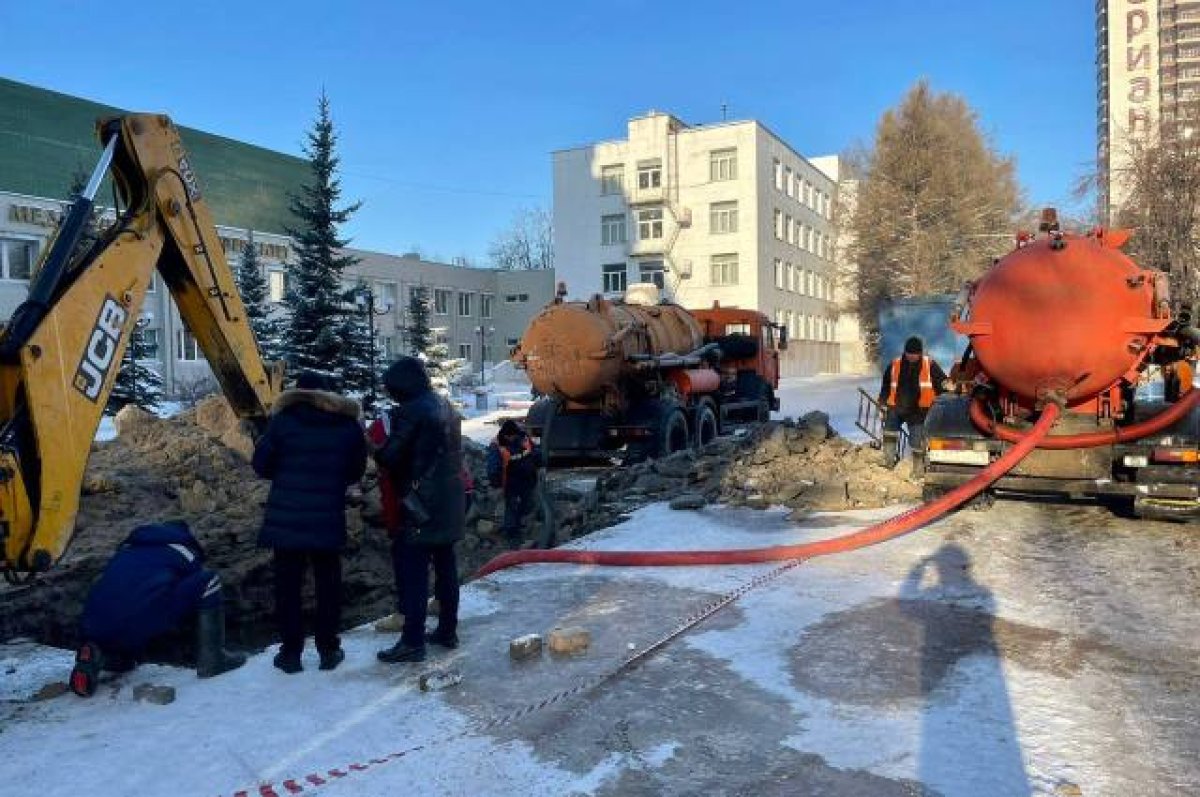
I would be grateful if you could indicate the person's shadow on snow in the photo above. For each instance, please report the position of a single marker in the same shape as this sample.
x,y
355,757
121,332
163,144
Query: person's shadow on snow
x,y
968,741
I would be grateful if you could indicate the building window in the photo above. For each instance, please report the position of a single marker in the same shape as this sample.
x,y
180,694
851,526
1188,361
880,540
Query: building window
x,y
649,175
808,197
808,238
650,224
485,305
186,349
791,230
612,229
277,285
387,347
385,295
722,218
787,180
778,224
652,271
441,301
464,351
790,277
615,277
779,275
724,270
515,298
806,284
722,165
464,304
778,175
17,258
150,343
153,287
612,179
513,342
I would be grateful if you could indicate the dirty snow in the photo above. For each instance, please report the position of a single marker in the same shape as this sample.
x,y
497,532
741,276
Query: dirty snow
x,y
1009,652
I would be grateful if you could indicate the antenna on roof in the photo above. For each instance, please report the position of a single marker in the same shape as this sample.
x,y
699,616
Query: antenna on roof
x,y
724,112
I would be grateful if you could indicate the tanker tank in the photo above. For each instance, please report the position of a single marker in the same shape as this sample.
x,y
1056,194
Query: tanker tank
x,y
579,351
1065,317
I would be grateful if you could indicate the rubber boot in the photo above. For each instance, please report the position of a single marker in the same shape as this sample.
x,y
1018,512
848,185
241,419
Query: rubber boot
x,y
211,656
918,466
891,448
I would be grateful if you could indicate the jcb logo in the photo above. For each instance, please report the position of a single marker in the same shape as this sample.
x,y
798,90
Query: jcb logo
x,y
101,349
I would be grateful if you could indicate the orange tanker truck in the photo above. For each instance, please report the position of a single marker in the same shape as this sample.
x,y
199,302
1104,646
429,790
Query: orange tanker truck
x,y
1071,320
645,376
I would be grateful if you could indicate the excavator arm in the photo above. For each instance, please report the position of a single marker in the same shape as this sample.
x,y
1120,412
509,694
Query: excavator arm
x,y
63,347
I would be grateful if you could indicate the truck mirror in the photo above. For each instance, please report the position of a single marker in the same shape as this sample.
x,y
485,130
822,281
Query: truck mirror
x,y
783,340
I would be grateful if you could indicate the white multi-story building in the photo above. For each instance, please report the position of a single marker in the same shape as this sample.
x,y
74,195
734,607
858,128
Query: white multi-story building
x,y
723,213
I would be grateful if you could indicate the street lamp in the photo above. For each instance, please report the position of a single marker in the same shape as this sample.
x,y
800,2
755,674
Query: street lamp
x,y
364,299
483,332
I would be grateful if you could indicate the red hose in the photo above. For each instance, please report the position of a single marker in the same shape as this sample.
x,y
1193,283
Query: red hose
x,y
896,526
1121,434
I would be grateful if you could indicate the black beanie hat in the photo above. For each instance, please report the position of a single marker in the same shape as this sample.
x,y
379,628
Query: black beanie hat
x,y
913,346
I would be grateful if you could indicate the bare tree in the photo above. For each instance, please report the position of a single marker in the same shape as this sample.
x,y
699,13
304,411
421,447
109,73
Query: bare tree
x,y
527,244
1161,190
934,203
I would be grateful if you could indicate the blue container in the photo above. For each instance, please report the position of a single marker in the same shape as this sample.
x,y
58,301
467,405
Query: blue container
x,y
927,317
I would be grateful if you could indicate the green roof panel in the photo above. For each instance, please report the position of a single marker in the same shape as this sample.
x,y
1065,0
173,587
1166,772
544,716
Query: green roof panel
x,y
47,137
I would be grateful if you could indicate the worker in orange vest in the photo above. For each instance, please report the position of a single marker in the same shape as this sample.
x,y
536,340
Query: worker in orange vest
x,y
512,466
910,384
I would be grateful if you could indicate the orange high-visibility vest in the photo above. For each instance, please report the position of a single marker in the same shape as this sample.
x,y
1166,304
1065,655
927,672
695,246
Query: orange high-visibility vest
x,y
925,401
507,456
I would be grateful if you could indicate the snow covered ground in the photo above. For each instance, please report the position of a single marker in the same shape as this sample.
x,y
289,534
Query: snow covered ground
x,y
1030,649
835,394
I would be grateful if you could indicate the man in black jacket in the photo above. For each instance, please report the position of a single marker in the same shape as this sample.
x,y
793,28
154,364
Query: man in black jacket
x,y
312,450
423,457
910,384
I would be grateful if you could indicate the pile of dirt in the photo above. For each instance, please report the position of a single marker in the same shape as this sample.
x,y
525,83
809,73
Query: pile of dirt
x,y
804,465
195,467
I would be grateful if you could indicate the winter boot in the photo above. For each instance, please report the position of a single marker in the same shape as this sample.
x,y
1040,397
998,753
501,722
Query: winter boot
x,y
442,639
211,656
891,449
401,652
330,659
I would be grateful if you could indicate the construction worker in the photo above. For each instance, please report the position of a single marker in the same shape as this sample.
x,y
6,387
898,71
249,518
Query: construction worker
x,y
512,463
910,384
153,582
1177,379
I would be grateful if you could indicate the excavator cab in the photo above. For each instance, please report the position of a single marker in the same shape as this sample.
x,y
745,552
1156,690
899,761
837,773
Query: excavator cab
x,y
62,349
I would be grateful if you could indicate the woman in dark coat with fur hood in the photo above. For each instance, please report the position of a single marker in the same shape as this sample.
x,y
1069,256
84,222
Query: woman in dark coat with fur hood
x,y
423,455
312,450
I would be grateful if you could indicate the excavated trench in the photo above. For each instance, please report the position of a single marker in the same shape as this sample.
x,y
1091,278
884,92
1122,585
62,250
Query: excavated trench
x,y
195,467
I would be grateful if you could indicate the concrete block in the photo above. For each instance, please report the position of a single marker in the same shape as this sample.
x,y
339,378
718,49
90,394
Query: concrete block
x,y
158,695
688,501
570,640
525,647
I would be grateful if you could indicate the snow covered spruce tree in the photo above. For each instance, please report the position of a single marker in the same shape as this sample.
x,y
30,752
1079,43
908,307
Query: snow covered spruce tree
x,y
423,343
355,365
316,298
252,285
136,382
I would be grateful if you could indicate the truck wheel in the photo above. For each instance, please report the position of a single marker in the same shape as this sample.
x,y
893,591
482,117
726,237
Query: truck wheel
x,y
673,433
706,425
765,402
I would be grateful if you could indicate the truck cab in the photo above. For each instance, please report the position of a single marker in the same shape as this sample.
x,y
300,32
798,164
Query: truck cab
x,y
750,344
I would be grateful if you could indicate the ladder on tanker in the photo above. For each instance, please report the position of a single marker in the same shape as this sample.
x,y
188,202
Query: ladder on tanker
x,y
870,420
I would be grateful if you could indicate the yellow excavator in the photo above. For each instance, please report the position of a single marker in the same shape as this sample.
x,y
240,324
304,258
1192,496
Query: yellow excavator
x,y
62,348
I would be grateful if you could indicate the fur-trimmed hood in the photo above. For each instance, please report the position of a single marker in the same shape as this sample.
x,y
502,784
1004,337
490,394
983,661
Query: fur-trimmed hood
x,y
318,399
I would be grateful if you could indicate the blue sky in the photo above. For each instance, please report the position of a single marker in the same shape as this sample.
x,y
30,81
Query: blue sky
x,y
448,112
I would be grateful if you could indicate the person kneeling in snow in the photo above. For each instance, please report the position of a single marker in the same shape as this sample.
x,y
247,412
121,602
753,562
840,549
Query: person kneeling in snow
x,y
153,582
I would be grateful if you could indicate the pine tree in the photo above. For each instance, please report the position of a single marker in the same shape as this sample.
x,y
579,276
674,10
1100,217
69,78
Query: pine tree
x,y
422,342
252,285
356,365
136,383
419,334
935,204
315,298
